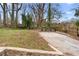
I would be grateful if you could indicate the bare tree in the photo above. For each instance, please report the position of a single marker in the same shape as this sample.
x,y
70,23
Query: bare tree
x,y
38,11
4,12
12,15
18,8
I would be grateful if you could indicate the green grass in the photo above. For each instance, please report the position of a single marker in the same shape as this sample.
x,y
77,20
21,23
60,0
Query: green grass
x,y
22,38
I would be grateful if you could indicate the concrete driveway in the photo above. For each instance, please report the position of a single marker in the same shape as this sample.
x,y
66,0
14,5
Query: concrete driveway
x,y
65,44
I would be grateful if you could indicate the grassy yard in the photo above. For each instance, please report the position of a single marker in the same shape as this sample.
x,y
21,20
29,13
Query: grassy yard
x,y
22,38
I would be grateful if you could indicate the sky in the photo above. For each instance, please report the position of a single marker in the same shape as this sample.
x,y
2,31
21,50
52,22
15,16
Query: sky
x,y
66,8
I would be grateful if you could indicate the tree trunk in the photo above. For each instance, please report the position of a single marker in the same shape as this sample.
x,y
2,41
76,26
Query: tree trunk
x,y
17,10
4,14
16,21
12,16
49,16
16,18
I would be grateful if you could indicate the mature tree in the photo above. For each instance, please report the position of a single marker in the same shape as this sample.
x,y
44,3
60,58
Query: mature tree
x,y
24,18
12,15
53,14
15,7
4,5
49,16
18,8
38,12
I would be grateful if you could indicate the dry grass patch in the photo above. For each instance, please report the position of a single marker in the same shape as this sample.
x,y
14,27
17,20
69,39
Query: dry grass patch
x,y
22,38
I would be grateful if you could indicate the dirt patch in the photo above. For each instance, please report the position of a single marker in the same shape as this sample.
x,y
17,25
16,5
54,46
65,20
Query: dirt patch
x,y
13,51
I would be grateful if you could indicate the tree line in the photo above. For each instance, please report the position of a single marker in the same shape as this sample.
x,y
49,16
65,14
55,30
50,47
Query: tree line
x,y
32,15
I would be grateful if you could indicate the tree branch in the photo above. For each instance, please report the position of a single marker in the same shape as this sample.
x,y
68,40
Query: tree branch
x,y
2,6
20,7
